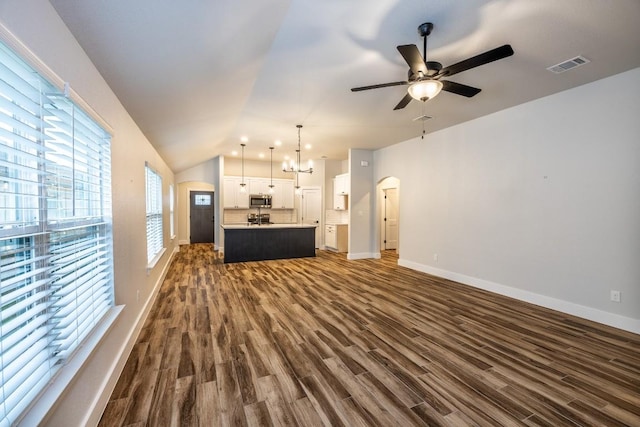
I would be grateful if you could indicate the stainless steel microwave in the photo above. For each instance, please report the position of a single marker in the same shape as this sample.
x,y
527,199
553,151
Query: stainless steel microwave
x,y
260,201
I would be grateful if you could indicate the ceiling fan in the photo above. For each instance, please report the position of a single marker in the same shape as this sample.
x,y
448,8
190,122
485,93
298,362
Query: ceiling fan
x,y
424,77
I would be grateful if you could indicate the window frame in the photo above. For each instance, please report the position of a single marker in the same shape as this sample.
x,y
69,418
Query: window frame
x,y
172,229
51,266
154,217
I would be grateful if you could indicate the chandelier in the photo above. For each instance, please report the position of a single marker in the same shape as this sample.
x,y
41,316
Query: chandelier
x,y
294,165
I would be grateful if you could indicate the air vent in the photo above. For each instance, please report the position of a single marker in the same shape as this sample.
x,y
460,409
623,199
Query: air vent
x,y
569,64
422,118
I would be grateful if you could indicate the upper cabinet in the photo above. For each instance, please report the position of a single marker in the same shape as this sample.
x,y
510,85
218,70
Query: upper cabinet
x,y
341,184
233,197
339,202
258,185
283,195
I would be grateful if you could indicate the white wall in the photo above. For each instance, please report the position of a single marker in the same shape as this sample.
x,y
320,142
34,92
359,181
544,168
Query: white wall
x,y
362,201
540,201
36,24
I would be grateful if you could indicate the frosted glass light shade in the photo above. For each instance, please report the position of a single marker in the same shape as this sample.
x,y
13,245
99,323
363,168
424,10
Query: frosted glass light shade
x,y
425,89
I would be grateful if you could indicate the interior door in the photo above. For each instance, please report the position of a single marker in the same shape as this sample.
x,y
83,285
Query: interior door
x,y
311,207
202,216
391,218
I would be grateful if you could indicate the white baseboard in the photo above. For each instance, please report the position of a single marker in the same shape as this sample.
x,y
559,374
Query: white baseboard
x,y
589,313
113,374
183,242
363,255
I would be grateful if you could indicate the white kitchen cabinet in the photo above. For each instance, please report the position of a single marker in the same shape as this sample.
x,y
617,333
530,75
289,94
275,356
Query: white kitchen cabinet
x,y
336,237
341,184
283,195
339,202
259,185
233,198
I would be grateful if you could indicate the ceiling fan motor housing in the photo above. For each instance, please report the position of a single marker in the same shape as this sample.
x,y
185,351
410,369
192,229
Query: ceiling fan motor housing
x,y
425,29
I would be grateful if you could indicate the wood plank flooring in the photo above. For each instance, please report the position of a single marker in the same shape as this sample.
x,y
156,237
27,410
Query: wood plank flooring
x,y
326,341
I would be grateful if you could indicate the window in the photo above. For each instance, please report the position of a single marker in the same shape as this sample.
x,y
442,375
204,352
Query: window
x,y
172,232
155,243
56,272
203,199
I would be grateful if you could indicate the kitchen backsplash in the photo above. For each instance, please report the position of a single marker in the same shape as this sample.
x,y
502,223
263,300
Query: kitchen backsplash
x,y
278,216
336,217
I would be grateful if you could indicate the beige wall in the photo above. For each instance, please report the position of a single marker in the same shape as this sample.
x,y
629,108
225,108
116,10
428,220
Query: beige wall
x,y
259,168
38,27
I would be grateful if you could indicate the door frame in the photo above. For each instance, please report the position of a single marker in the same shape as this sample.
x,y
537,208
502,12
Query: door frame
x,y
217,212
213,208
384,218
382,185
319,233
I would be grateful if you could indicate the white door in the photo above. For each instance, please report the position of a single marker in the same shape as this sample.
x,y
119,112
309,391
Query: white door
x,y
311,209
391,218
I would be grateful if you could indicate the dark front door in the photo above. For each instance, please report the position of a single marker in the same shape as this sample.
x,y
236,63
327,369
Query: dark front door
x,y
201,216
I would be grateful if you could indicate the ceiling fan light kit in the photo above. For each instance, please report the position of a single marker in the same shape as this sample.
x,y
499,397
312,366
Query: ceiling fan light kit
x,y
425,90
424,77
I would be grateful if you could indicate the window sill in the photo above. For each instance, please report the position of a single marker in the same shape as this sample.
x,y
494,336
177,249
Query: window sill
x,y
155,260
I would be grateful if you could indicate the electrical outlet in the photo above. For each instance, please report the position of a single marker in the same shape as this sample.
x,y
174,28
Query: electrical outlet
x,y
615,296
435,257
138,295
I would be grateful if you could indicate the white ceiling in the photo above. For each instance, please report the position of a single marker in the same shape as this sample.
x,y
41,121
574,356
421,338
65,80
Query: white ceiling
x,y
197,75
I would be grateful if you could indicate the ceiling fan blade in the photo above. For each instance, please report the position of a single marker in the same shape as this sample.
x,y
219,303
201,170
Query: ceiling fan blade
x,y
358,89
478,60
403,102
459,88
411,54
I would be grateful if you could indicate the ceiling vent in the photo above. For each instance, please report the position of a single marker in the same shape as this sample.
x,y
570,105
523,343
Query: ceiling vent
x,y
569,64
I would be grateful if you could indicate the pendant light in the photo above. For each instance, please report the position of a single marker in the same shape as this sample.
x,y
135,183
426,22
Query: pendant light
x,y
271,186
243,186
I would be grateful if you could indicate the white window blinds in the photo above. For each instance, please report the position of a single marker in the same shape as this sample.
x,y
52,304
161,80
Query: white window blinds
x,y
155,243
56,274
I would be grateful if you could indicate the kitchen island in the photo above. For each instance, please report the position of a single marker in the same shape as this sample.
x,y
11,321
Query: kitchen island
x,y
268,241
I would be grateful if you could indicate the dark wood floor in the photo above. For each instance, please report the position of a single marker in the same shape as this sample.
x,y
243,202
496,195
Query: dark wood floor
x,y
326,341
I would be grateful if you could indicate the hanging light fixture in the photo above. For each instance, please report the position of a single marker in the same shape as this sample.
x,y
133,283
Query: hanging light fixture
x,y
243,186
298,190
294,165
271,186
425,90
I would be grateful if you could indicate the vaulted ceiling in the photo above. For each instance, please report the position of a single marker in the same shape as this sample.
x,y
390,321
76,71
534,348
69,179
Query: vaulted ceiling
x,y
198,75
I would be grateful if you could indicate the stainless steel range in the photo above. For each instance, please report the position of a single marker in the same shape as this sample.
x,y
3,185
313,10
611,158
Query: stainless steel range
x,y
259,219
